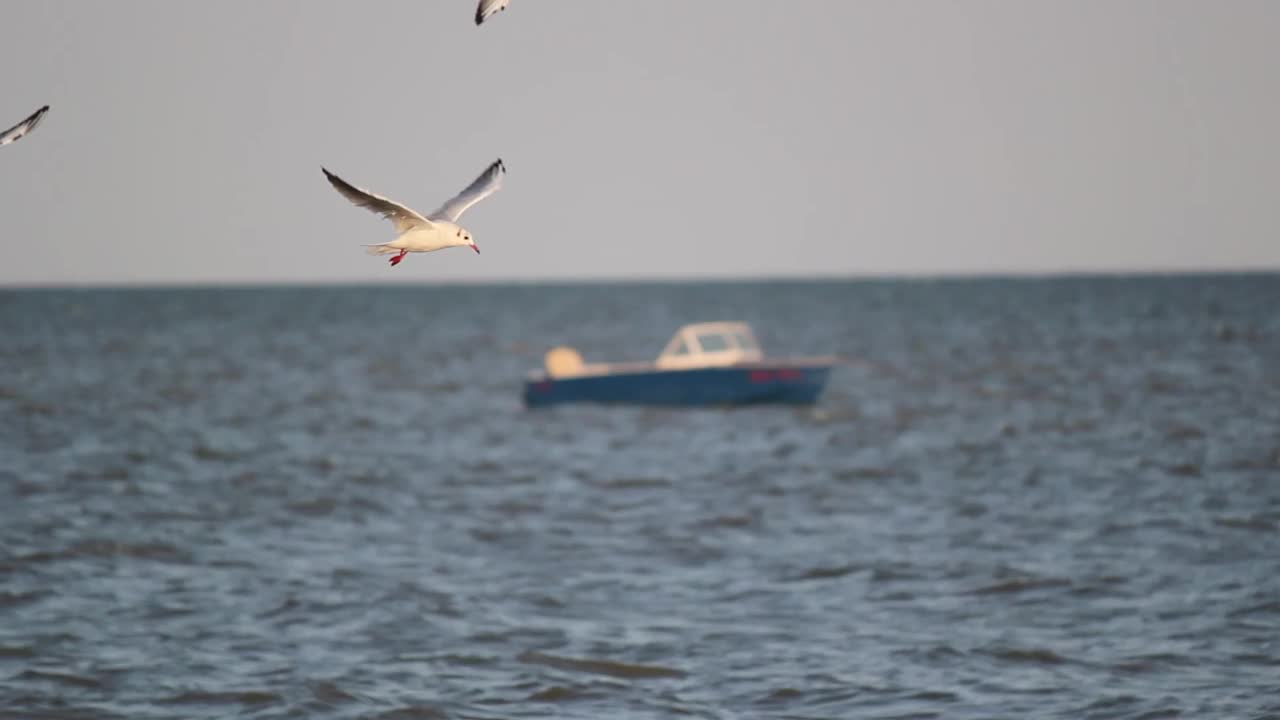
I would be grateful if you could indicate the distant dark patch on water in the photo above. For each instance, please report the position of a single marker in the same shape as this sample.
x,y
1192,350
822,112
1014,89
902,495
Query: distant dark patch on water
x,y
330,693
11,599
1259,523
732,521
413,712
601,667
1267,608
826,573
60,678
1038,656
781,696
1011,587
241,697
635,483
1155,662
560,694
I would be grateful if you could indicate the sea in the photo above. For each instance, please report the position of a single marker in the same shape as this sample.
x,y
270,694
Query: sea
x,y
1052,497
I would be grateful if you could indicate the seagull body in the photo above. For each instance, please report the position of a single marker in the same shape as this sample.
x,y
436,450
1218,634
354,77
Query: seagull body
x,y
417,233
489,7
17,131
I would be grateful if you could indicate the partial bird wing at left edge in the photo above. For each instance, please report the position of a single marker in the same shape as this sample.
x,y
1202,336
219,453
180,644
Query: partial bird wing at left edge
x,y
24,127
489,7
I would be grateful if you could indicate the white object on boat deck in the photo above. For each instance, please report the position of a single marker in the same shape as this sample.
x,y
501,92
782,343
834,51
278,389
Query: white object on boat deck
x,y
562,361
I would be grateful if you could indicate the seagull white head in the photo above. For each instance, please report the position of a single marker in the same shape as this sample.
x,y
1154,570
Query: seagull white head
x,y
455,235
466,237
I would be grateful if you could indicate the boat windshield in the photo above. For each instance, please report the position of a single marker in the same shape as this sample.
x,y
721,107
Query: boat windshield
x,y
713,342
746,341
681,348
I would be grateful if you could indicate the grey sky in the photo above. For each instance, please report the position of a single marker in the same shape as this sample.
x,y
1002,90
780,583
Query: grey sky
x,y
642,137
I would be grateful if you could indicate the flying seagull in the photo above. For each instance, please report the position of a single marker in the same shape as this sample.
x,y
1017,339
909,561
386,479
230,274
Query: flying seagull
x,y
24,127
437,231
489,7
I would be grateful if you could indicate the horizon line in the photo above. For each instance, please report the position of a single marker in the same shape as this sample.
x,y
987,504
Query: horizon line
x,y
872,276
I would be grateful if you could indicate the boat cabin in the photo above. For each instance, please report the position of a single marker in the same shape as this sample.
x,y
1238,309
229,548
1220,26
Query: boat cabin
x,y
701,345
710,344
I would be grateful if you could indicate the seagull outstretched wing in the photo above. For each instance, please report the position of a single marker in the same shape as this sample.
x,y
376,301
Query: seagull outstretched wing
x,y
482,187
402,217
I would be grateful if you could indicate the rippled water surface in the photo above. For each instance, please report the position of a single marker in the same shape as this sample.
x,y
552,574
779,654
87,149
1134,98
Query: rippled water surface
x,y
1049,498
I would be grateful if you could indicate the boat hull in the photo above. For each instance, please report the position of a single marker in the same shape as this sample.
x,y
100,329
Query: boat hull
x,y
755,384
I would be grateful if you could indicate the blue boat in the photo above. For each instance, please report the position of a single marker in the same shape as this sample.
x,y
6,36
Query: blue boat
x,y
705,364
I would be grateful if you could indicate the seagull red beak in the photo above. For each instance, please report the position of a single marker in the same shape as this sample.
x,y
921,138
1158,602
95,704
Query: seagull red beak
x,y
476,248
